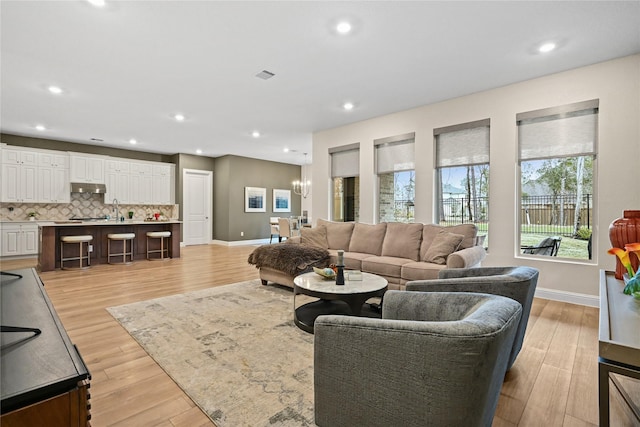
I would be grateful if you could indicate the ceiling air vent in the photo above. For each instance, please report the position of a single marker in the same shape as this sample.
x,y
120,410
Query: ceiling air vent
x,y
265,75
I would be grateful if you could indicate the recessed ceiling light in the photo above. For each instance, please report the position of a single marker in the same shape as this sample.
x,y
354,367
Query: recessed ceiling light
x,y
198,151
55,89
347,106
97,3
547,47
286,150
179,117
41,128
343,27
133,141
255,134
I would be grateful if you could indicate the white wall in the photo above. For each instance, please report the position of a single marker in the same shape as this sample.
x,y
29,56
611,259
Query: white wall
x,y
615,83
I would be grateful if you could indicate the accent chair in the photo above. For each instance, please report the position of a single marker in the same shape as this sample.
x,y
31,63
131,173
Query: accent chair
x,y
518,283
435,358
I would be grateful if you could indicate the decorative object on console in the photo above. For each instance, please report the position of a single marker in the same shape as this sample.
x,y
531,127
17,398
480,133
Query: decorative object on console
x,y
623,231
631,278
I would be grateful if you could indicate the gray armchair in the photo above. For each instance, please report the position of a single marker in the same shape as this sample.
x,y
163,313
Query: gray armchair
x,y
433,359
518,283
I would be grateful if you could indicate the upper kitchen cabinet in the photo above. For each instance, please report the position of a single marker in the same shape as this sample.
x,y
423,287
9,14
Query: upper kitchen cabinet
x,y
163,184
117,181
87,168
19,175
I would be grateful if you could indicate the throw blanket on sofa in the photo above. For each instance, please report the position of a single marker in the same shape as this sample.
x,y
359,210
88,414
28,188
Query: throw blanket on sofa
x,y
289,258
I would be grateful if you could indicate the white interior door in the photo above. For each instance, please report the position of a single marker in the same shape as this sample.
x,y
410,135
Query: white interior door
x,y
197,186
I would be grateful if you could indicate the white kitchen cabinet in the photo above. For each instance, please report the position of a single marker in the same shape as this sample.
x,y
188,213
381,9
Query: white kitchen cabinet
x,y
117,181
141,188
18,239
87,168
53,177
162,191
19,176
53,185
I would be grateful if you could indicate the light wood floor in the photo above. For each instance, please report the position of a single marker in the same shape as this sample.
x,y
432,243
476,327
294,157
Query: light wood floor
x,y
553,382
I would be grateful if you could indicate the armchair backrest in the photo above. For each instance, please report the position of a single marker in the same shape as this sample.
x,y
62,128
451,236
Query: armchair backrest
x,y
518,283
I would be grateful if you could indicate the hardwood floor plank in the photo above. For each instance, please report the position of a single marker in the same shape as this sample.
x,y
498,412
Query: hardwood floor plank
x,y
552,383
548,400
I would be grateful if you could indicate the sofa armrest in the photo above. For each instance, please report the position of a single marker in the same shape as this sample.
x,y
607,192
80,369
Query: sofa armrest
x,y
293,239
466,258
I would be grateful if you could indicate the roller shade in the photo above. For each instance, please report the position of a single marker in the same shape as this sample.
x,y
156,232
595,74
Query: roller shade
x,y
345,164
395,156
561,134
462,145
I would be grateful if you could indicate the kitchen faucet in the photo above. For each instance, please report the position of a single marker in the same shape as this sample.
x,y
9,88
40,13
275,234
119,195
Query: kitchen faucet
x,y
116,209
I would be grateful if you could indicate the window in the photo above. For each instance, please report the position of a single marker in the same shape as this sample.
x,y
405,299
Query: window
x,y
345,171
396,178
462,175
557,153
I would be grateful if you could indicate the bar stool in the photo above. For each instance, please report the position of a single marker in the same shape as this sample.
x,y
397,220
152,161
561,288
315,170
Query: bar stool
x,y
124,238
75,240
162,235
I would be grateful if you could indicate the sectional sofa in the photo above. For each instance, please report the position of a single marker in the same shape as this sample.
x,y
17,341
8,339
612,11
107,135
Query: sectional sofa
x,y
396,251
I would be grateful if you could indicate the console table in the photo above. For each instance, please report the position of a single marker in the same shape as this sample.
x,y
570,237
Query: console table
x,y
619,343
44,380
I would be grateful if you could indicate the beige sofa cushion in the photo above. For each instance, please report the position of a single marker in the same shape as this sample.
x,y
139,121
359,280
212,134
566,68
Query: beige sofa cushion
x,y
421,271
338,233
402,240
430,231
367,238
443,245
314,236
389,267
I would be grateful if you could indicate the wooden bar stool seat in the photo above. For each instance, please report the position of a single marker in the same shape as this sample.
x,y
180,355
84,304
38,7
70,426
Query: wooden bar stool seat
x,y
163,236
81,240
124,238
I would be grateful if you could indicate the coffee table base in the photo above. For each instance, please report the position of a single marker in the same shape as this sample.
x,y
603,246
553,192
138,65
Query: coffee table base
x,y
305,316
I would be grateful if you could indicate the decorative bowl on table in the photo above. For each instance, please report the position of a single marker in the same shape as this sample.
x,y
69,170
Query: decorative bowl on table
x,y
327,273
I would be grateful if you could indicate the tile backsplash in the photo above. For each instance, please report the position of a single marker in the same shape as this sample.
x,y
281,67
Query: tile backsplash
x,y
82,205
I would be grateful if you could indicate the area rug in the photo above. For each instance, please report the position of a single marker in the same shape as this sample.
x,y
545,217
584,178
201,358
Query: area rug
x,y
233,349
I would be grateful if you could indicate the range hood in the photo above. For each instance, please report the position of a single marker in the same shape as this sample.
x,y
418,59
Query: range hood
x,y
87,187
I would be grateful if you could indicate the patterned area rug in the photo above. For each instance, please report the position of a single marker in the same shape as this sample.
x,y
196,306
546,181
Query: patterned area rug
x,y
233,349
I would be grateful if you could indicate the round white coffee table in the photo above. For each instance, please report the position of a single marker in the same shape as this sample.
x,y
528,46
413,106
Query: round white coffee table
x,y
347,299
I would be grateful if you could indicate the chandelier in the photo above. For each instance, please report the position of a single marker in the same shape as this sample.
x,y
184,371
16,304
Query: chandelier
x,y
302,187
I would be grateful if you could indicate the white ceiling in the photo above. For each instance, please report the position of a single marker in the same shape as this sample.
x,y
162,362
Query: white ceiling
x,y
128,67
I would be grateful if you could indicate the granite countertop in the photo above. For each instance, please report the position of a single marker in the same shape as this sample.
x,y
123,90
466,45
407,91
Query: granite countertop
x,y
63,223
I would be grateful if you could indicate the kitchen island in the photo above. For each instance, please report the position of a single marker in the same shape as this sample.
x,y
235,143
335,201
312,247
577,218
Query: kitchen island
x,y
49,234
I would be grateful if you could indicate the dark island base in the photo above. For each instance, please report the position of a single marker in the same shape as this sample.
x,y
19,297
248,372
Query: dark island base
x,y
49,249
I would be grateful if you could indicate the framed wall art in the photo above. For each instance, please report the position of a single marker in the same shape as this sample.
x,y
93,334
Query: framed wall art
x,y
281,200
254,199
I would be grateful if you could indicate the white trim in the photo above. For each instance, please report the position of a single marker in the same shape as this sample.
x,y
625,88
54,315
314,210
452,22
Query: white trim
x,y
241,242
570,297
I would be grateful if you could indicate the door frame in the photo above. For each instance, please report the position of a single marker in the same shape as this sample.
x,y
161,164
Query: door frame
x,y
209,207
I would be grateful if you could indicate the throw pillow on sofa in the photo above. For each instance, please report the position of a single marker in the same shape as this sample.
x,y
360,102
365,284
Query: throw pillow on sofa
x,y
338,233
314,236
443,245
402,240
367,238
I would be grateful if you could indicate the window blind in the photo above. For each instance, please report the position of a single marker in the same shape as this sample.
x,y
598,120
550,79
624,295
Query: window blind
x,y
395,156
462,145
345,164
568,131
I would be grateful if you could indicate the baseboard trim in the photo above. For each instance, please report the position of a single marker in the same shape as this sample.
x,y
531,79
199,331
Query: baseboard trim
x,y
241,242
570,297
